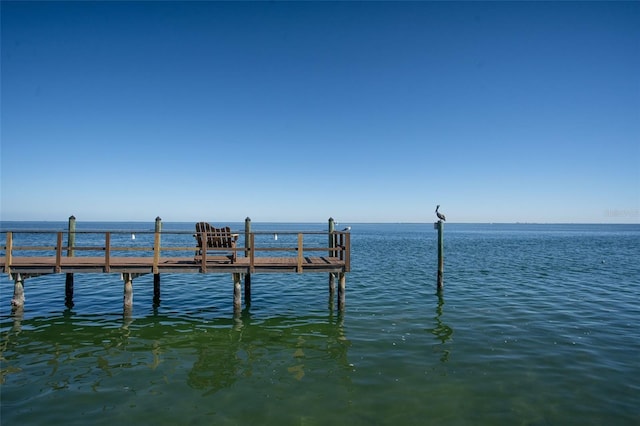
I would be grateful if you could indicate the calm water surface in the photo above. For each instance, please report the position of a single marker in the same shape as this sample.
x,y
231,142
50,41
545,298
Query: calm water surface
x,y
537,325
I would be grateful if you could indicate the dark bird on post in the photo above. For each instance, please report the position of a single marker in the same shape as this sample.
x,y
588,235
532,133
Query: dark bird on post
x,y
440,215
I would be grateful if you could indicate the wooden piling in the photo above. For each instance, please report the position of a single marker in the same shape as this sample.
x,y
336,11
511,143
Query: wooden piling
x,y
71,242
237,298
332,245
18,292
342,290
247,276
156,259
440,255
68,291
128,290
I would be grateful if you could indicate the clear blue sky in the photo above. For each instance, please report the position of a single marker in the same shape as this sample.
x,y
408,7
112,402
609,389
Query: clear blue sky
x,y
366,112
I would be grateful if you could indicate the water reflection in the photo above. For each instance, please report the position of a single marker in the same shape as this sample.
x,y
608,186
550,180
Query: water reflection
x,y
206,355
441,330
280,347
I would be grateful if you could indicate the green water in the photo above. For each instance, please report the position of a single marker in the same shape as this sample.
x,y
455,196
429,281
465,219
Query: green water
x,y
535,327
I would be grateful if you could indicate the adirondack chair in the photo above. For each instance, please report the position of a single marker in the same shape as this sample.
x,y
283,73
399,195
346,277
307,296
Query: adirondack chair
x,y
208,236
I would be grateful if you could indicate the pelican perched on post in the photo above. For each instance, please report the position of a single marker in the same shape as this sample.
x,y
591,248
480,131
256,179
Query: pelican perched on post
x,y
440,215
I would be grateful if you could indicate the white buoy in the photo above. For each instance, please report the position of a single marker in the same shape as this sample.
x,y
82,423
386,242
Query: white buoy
x,y
275,237
133,236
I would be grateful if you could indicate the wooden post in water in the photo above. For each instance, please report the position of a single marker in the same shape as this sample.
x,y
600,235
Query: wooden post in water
x,y
247,276
440,226
18,292
156,255
332,245
237,295
342,290
128,291
71,242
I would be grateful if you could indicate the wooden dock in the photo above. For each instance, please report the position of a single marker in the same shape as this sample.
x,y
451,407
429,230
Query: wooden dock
x,y
161,252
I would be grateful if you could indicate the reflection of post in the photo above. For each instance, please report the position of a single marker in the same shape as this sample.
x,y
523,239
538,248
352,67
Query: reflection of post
x,y
442,331
18,316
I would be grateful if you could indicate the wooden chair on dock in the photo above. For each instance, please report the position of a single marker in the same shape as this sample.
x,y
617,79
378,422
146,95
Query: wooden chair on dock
x,y
208,237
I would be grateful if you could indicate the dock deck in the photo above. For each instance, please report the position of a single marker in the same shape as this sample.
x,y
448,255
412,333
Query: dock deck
x,y
40,265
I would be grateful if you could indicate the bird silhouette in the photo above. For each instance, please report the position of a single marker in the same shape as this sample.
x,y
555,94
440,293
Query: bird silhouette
x,y
440,215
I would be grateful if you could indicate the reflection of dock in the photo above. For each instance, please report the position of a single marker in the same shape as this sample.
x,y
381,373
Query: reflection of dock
x,y
287,347
209,354
29,253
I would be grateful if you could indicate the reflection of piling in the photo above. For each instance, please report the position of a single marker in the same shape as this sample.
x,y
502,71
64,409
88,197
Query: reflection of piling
x,y
71,242
439,225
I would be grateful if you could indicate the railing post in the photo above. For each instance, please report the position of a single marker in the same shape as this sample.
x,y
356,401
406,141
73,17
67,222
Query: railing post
x,y
247,276
107,252
252,253
9,252
204,237
58,267
71,243
332,241
347,252
300,253
156,260
71,237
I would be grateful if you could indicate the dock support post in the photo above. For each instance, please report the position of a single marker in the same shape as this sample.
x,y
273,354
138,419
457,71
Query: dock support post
x,y
128,290
332,245
156,254
18,292
71,242
440,227
237,295
341,290
156,290
247,276
68,291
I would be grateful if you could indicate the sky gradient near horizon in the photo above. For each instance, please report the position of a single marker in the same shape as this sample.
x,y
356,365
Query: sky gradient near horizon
x,y
301,111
